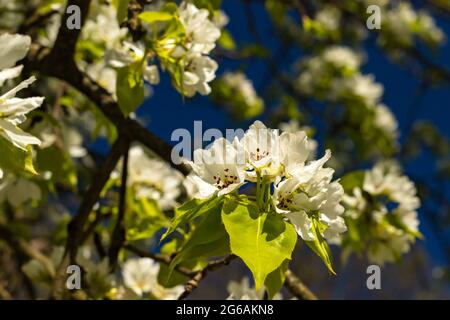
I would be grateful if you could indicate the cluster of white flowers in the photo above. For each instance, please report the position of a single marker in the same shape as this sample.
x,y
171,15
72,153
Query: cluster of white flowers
x,y
13,110
201,37
302,191
387,200
333,60
238,82
131,53
385,120
333,75
152,178
402,24
102,30
329,18
237,93
141,276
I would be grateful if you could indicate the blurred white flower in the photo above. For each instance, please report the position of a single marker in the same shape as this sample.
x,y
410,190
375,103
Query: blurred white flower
x,y
342,57
364,87
241,84
103,28
140,275
153,179
390,213
402,24
329,17
386,121
220,19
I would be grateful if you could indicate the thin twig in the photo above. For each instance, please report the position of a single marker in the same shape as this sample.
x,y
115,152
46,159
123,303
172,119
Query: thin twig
x,y
297,287
161,258
194,282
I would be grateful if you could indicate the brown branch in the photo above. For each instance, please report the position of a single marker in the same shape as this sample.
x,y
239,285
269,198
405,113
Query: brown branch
x,y
161,258
297,287
194,282
195,276
76,226
118,237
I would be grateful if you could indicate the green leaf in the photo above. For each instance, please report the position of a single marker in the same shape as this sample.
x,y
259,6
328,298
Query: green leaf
x,y
211,5
145,219
352,180
15,159
396,221
130,87
58,162
165,277
320,245
262,240
226,40
155,16
209,239
122,9
191,210
275,280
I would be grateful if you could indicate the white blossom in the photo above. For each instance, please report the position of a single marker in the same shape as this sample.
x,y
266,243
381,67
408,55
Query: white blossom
x,y
262,150
329,17
310,191
133,53
393,197
141,274
403,23
199,70
219,169
361,86
153,179
342,57
13,110
386,121
293,126
201,33
241,84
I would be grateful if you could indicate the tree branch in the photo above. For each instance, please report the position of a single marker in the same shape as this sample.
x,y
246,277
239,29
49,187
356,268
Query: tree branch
x,y
76,226
194,282
161,258
297,287
118,237
195,276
